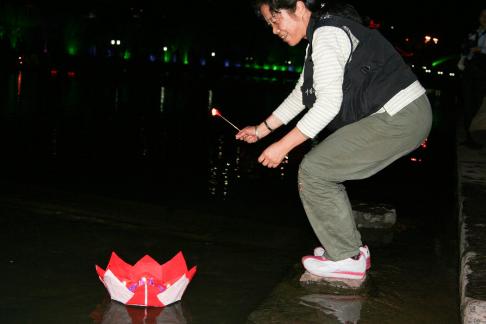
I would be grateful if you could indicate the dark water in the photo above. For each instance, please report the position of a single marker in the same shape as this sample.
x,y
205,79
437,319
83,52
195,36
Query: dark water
x,y
140,141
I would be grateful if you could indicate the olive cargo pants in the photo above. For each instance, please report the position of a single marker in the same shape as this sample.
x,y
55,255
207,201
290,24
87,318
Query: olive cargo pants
x,y
355,151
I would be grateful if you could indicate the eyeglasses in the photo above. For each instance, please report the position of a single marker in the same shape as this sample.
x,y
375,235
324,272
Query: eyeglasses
x,y
274,18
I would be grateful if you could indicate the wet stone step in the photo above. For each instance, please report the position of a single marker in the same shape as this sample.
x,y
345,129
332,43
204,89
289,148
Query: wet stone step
x,y
300,298
378,215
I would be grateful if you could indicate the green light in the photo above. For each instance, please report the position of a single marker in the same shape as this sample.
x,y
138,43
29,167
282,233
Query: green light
x,y
166,56
247,66
72,49
266,67
443,59
256,66
127,55
274,67
298,69
71,37
283,68
185,58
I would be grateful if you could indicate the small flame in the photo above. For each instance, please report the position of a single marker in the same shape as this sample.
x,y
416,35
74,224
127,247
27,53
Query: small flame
x,y
214,112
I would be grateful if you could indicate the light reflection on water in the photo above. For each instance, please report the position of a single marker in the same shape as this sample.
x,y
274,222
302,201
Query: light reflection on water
x,y
104,117
162,119
117,313
234,162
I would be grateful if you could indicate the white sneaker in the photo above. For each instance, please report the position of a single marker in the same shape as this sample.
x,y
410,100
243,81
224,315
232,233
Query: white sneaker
x,y
345,269
319,251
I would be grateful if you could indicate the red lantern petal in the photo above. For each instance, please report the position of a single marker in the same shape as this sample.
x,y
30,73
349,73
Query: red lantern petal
x,y
173,269
120,268
147,266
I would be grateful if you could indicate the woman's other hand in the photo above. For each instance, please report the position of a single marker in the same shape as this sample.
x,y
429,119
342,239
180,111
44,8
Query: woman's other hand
x,y
273,155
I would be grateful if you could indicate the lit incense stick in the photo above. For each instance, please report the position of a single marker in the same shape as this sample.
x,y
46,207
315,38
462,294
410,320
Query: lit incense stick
x,y
215,112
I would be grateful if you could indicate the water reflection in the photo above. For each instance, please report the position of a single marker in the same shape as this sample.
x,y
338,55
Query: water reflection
x,y
347,309
19,84
117,313
223,169
233,163
144,125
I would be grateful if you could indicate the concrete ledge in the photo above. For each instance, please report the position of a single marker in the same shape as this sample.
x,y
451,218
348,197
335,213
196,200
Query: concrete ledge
x,y
472,234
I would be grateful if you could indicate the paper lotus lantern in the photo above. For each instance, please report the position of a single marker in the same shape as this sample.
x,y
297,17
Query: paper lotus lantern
x,y
147,283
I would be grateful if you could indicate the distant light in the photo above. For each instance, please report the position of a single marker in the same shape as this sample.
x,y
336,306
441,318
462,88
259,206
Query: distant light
x,y
152,58
112,42
427,39
118,42
202,61
289,62
440,72
407,39
428,71
213,54
452,74
374,25
392,27
442,60
53,72
435,40
226,63
71,74
424,67
165,48
413,65
424,144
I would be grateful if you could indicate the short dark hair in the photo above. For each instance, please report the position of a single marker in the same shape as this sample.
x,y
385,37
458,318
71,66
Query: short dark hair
x,y
277,5
318,7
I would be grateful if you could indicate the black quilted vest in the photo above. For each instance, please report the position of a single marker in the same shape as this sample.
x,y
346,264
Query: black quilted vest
x,y
373,74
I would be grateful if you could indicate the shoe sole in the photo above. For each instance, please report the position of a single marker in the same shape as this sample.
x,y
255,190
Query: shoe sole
x,y
340,275
368,258
335,274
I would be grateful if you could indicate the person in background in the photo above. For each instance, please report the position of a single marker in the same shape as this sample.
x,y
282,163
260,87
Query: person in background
x,y
473,83
370,100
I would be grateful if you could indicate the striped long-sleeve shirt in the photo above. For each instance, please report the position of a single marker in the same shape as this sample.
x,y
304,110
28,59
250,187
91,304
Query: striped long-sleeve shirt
x,y
331,49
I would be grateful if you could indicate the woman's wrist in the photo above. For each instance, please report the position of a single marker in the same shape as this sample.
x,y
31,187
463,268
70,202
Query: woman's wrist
x,y
270,129
262,130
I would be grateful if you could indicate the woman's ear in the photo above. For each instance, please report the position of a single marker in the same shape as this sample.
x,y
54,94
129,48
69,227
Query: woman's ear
x,y
300,8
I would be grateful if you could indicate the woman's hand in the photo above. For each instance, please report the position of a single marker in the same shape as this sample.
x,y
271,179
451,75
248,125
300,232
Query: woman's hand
x,y
248,134
273,155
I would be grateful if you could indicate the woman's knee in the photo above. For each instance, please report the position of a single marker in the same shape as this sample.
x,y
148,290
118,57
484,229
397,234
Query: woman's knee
x,y
311,174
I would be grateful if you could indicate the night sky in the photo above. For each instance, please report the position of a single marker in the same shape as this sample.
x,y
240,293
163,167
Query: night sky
x,y
231,25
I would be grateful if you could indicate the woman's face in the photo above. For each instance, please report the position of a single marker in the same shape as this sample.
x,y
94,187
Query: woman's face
x,y
290,26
